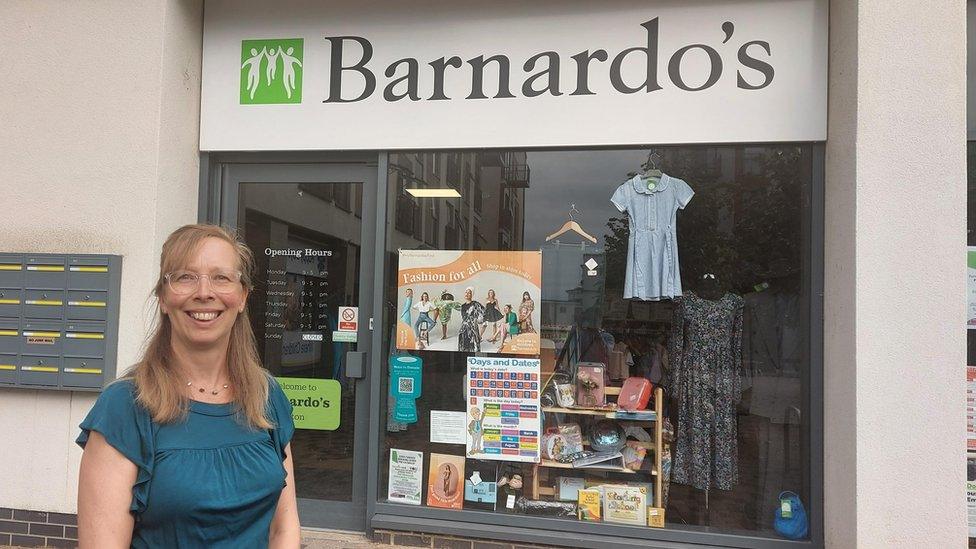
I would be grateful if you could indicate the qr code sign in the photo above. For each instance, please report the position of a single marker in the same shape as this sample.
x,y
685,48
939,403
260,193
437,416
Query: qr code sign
x,y
405,385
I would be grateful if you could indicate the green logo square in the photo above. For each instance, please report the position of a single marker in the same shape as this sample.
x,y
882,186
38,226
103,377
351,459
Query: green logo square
x,y
271,71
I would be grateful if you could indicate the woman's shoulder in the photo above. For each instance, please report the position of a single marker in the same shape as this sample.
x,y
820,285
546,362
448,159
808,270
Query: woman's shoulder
x,y
120,393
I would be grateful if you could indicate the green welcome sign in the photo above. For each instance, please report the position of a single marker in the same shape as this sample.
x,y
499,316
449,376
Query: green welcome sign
x,y
315,402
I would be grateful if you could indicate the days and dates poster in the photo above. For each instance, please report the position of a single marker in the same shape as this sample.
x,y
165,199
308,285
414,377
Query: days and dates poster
x,y
503,420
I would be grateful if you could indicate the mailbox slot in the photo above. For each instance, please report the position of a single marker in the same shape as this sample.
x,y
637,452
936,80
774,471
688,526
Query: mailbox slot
x,y
39,370
45,272
82,372
8,369
42,337
86,305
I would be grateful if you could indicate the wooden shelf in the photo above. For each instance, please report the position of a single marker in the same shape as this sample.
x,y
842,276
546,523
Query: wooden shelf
x,y
596,467
611,413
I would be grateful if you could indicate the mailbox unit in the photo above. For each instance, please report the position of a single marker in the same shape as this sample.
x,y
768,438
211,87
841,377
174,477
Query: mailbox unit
x,y
59,320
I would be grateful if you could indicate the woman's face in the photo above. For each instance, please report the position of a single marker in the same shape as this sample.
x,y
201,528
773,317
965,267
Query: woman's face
x,y
424,296
204,318
409,292
491,294
525,296
467,295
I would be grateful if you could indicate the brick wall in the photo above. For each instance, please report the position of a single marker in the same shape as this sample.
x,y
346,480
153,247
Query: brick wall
x,y
37,528
412,539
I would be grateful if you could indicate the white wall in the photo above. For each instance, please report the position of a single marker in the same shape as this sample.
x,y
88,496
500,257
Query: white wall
x,y
895,284
100,117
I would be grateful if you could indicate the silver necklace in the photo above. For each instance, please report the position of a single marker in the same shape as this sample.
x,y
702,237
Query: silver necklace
x,y
214,390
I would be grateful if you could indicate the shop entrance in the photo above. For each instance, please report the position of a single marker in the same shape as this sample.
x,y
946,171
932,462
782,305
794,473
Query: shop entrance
x,y
311,229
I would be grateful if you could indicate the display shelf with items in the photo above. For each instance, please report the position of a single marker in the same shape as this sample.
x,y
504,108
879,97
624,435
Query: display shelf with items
x,y
545,479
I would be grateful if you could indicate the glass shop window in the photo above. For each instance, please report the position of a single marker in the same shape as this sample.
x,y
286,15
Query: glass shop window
x,y
613,336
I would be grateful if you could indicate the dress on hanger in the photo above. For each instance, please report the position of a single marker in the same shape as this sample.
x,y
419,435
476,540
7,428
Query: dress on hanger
x,y
706,359
653,273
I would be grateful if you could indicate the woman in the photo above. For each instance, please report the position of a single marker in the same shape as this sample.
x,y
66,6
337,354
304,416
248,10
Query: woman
x,y
511,325
445,307
525,314
407,306
492,316
472,315
425,307
192,446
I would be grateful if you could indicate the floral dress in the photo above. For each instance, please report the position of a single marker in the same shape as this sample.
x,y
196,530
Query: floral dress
x,y
469,336
706,359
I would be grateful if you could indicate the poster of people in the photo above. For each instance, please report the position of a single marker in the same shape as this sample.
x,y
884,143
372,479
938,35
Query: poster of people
x,y
503,409
469,301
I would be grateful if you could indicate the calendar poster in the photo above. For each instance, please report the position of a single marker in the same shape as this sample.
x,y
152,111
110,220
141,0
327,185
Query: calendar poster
x,y
503,420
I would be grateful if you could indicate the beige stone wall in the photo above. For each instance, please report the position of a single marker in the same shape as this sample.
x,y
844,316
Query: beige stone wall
x,y
100,117
895,275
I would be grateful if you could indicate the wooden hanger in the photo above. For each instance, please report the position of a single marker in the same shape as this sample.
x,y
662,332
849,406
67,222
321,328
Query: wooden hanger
x,y
572,225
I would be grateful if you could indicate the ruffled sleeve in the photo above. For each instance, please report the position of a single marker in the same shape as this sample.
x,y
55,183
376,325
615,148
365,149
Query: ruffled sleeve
x,y
128,428
279,412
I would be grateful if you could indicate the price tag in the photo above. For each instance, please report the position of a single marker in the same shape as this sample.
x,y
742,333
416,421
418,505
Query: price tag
x,y
786,508
510,502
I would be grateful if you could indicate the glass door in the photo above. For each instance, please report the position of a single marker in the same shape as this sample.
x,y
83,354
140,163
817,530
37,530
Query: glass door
x,y
310,227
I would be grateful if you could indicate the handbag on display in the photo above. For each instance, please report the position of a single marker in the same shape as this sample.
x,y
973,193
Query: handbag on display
x,y
635,394
790,518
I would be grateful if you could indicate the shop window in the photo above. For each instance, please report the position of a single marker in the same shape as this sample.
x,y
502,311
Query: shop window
x,y
709,304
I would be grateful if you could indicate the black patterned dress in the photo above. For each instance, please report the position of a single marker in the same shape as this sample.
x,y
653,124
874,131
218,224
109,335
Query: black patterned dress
x,y
706,359
469,335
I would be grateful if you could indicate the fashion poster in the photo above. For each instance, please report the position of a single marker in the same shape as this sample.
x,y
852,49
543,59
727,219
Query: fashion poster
x,y
503,409
469,301
445,481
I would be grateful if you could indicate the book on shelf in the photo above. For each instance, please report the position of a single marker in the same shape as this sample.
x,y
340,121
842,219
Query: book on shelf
x,y
637,415
588,505
625,504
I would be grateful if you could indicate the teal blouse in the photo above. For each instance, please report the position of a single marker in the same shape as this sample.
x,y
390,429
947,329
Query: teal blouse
x,y
208,481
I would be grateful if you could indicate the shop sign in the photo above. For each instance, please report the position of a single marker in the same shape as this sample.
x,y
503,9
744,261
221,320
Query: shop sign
x,y
315,402
564,74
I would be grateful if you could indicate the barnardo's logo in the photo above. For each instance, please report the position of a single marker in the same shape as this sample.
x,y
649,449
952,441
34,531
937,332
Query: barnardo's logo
x,y
271,71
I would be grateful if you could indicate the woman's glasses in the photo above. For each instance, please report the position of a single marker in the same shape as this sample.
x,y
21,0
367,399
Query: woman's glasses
x,y
187,282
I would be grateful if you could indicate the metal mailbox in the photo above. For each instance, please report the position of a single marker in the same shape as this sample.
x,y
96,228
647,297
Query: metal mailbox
x,y
9,335
42,337
11,302
82,372
86,305
11,271
39,370
85,339
88,272
8,369
43,303
59,320
45,271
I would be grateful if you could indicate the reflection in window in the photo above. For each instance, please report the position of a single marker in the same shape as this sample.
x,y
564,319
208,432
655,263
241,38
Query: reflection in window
x,y
746,233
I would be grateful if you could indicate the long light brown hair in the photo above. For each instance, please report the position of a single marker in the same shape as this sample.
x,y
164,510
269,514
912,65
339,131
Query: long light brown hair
x,y
159,384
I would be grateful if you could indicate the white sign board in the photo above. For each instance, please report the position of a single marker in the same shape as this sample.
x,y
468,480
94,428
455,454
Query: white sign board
x,y
298,75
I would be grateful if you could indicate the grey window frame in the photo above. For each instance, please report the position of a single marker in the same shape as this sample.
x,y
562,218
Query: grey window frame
x,y
541,530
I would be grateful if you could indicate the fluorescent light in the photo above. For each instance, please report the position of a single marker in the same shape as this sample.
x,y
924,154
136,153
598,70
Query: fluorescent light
x,y
434,193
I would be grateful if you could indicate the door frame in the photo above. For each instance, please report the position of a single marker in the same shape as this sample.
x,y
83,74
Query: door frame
x,y
219,175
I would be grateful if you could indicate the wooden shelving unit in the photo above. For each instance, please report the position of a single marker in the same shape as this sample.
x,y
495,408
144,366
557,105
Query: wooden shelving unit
x,y
537,488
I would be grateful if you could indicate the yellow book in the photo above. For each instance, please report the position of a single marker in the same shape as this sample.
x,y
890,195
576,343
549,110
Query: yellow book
x,y
589,505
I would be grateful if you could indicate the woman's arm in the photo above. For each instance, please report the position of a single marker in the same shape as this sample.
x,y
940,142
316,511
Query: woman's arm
x,y
285,529
104,496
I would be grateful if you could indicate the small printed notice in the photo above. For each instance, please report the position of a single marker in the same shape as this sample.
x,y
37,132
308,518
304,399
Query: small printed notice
x,y
447,427
406,476
348,319
503,420
971,408
971,494
971,288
